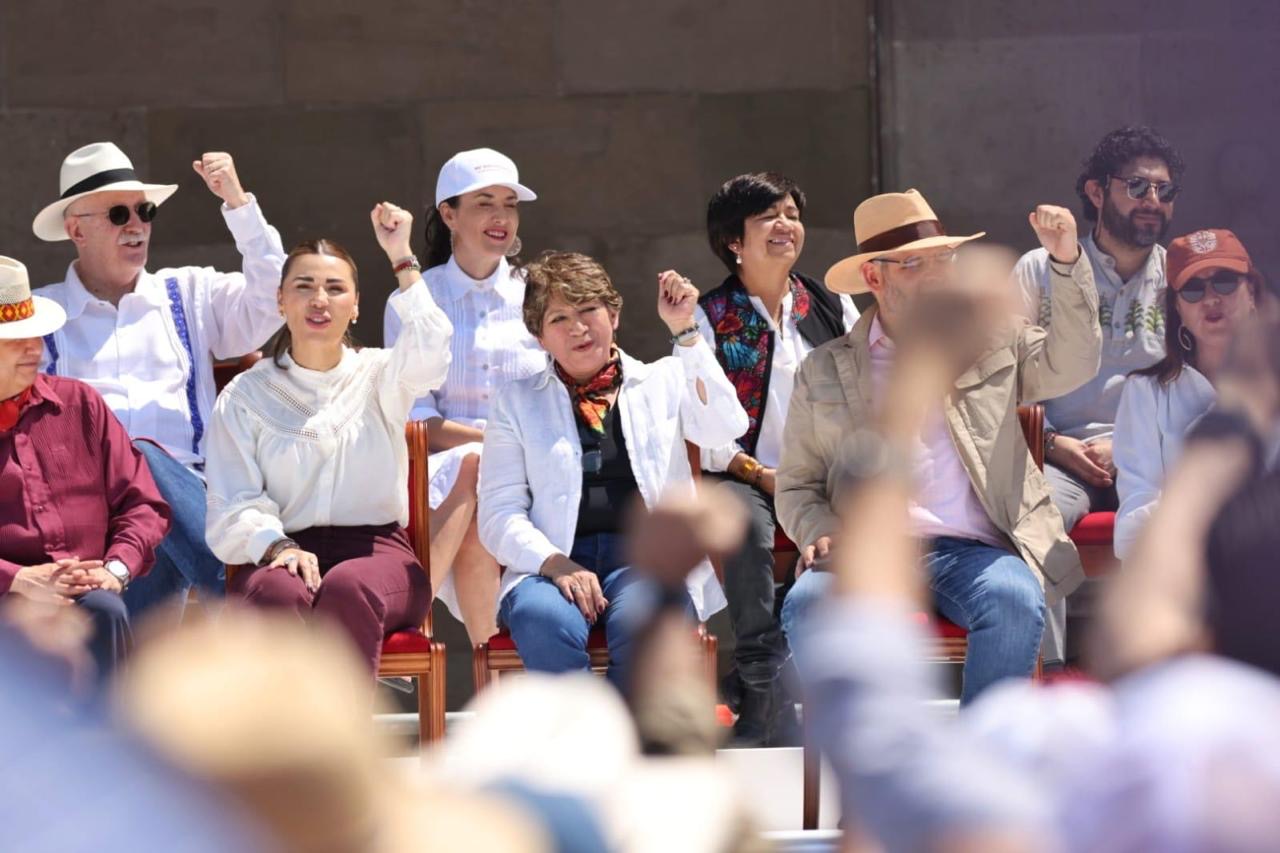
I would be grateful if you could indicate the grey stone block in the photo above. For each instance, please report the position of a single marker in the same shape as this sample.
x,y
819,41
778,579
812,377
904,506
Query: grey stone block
x,y
338,51
141,52
710,45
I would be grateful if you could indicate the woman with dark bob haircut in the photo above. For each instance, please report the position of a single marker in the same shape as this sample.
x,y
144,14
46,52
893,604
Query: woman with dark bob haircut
x,y
761,321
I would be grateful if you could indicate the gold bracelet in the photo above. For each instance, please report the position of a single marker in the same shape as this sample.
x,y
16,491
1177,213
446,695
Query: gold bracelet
x,y
751,471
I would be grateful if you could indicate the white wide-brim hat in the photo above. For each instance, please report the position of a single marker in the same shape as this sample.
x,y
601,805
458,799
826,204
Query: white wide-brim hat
x,y
468,171
891,222
96,168
21,314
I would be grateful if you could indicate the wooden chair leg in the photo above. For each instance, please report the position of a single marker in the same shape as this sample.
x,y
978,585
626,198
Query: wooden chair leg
x,y
436,694
480,675
812,781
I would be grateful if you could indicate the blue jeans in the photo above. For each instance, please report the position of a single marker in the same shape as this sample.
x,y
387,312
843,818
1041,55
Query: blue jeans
x,y
183,560
988,591
551,633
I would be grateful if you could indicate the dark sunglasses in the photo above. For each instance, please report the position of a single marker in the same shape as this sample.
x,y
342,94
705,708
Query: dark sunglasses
x,y
118,214
1224,283
1137,187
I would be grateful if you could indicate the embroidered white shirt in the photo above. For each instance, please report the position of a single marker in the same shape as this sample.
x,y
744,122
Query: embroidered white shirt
x,y
136,354
1131,314
490,346
293,448
531,468
789,350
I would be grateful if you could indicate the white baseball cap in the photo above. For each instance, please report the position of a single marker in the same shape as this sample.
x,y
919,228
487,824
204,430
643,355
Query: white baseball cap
x,y
468,171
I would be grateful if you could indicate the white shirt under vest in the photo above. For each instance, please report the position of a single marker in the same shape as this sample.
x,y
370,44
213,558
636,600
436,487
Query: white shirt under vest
x,y
151,357
292,448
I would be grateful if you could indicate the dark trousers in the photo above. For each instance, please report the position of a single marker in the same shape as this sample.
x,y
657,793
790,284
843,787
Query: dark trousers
x,y
372,583
111,639
748,585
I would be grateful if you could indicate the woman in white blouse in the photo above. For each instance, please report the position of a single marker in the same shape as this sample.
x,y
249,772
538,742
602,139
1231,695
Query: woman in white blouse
x,y
1213,287
307,457
566,451
471,233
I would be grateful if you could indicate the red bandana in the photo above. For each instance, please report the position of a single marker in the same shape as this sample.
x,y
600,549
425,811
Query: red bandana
x,y
11,409
591,399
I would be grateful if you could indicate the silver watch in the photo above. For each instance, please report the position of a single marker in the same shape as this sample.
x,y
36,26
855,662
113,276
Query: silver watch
x,y
119,571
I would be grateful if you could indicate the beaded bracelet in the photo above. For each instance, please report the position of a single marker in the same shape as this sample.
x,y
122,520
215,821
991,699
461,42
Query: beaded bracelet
x,y
409,263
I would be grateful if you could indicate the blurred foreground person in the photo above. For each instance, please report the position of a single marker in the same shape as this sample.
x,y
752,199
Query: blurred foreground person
x,y
80,515
1181,753
276,718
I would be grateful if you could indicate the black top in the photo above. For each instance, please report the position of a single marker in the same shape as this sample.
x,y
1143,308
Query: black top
x,y
608,483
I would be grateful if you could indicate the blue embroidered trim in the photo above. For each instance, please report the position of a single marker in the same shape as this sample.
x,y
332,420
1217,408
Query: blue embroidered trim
x,y
184,335
53,354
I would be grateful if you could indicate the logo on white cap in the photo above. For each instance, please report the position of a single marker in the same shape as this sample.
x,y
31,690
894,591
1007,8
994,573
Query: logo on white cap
x,y
1203,241
468,171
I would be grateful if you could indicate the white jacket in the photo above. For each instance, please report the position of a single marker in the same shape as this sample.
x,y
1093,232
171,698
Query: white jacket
x,y
1151,423
531,468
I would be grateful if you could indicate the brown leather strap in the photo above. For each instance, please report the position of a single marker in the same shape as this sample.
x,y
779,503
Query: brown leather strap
x,y
887,241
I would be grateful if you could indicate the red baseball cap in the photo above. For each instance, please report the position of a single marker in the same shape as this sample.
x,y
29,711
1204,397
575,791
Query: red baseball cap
x,y
1214,248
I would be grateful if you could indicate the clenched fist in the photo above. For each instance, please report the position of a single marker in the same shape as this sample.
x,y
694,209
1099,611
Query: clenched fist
x,y
1055,228
677,299
393,227
219,173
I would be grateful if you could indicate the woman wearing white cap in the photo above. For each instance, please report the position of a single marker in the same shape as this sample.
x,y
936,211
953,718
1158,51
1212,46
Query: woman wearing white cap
x,y
471,232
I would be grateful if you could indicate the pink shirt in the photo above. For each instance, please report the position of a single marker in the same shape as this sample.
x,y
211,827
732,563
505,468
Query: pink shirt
x,y
945,503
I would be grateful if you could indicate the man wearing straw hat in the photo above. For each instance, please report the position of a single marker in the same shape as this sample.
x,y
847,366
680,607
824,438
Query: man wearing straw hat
x,y
80,515
147,341
994,547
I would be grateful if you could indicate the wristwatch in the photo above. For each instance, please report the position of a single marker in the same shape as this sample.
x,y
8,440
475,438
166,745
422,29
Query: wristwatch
x,y
1050,439
119,571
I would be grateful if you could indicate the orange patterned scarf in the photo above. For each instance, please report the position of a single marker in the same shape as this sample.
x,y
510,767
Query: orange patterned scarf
x,y
591,398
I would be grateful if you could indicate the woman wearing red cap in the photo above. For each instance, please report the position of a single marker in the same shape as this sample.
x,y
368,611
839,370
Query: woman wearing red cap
x,y
1213,288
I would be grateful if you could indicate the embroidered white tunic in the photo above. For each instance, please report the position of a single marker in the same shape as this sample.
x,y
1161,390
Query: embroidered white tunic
x,y
293,448
151,357
531,470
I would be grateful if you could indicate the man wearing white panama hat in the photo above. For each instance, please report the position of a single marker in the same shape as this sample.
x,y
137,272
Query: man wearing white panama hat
x,y
994,545
80,515
147,341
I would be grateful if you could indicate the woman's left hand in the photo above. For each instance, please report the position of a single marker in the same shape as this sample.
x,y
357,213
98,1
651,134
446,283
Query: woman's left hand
x,y
677,299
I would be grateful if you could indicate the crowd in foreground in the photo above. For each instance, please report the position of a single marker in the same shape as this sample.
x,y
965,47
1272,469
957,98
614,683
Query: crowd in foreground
x,y
129,480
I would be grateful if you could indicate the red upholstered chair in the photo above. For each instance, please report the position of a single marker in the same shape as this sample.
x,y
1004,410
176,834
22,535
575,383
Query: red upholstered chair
x,y
951,642
412,653
1093,536
489,660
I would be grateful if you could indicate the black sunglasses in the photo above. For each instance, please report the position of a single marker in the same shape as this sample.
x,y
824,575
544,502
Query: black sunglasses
x,y
1224,283
1137,187
118,214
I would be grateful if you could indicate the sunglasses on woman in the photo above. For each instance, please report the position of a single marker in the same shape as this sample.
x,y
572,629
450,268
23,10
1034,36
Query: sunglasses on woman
x,y
118,214
1137,187
1224,283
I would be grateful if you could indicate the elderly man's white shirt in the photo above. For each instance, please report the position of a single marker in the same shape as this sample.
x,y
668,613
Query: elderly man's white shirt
x,y
139,355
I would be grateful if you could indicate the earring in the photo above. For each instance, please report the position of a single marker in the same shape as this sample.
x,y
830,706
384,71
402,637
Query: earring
x,y
355,319
516,246
739,257
1186,342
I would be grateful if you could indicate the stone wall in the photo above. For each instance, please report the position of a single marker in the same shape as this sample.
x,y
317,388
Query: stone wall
x,y
989,106
624,117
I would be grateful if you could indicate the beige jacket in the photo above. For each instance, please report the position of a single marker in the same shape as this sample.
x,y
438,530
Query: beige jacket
x,y
1028,364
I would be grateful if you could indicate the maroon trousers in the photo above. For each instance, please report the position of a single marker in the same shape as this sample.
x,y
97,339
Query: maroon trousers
x,y
372,583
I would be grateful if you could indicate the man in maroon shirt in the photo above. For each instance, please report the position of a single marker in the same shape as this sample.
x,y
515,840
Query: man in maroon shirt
x,y
80,515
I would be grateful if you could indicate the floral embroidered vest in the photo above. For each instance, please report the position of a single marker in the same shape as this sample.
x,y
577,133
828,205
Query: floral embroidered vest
x,y
744,341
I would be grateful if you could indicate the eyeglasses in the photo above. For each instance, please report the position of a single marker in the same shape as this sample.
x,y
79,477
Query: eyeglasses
x,y
1138,187
1224,283
118,214
917,262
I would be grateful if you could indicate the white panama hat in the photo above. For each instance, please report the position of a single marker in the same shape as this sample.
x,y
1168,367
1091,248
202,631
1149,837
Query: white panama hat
x,y
95,168
21,314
